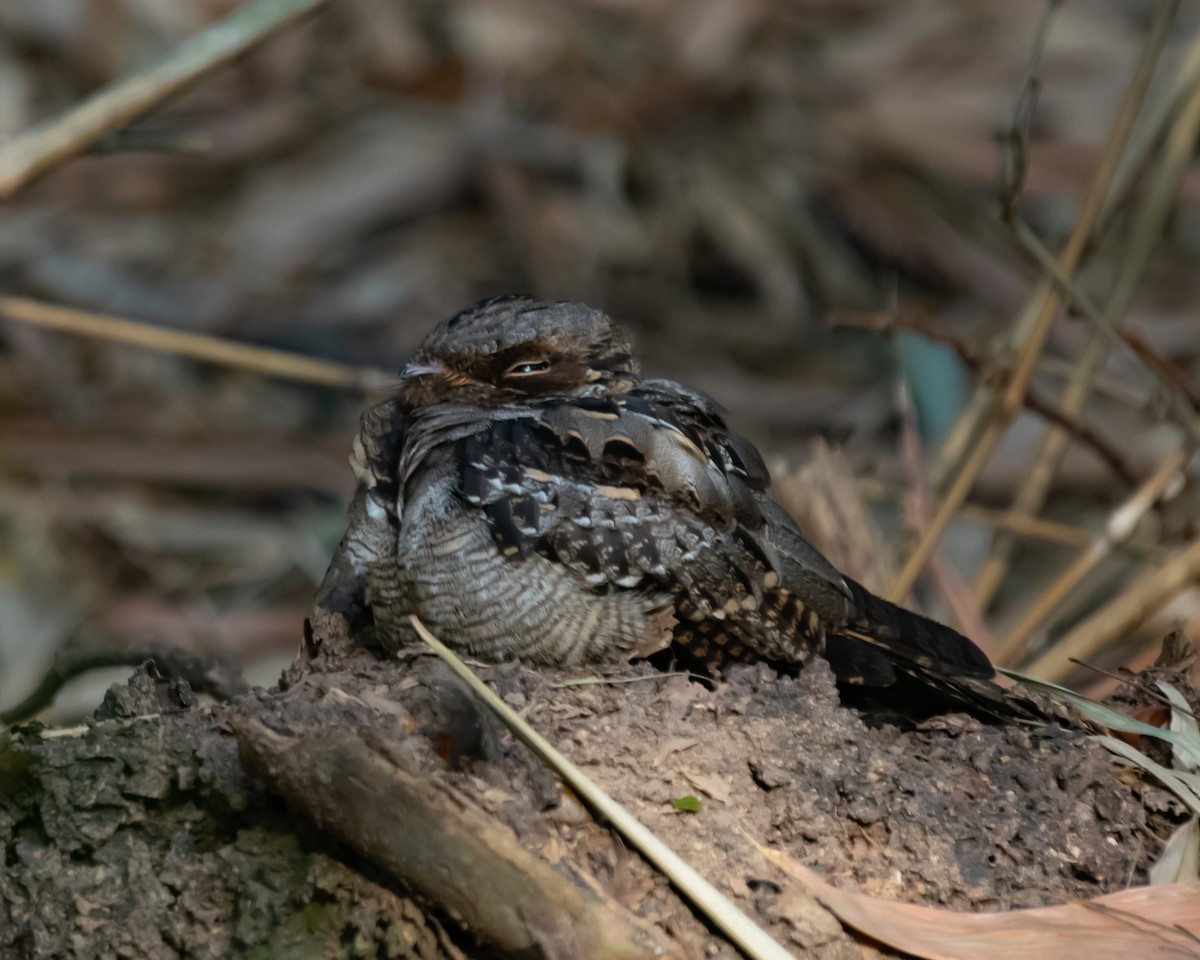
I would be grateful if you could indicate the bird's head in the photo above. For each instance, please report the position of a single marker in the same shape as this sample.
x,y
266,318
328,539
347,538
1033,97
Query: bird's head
x,y
514,349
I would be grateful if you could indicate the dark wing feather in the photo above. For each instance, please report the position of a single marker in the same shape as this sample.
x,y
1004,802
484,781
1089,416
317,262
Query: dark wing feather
x,y
370,537
650,490
703,419
604,492
912,639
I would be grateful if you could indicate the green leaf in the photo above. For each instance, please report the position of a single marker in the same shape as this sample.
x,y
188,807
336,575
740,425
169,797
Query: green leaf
x,y
1107,716
1180,860
688,804
1167,778
1187,752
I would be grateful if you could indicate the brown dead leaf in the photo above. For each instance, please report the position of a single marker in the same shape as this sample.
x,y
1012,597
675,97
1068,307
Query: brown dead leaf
x,y
1151,923
712,784
673,745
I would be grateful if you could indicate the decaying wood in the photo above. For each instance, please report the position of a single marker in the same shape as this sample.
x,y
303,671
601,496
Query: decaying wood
x,y
441,846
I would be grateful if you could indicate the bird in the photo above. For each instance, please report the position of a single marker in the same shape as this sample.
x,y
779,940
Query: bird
x,y
530,495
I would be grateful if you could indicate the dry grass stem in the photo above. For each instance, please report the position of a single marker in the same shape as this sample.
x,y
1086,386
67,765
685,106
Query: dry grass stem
x,y
197,346
914,321
1145,231
1155,587
49,143
1044,307
1031,528
1151,131
1121,525
740,929
946,577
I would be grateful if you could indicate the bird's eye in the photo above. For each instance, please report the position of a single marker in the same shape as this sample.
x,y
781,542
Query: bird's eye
x,y
527,367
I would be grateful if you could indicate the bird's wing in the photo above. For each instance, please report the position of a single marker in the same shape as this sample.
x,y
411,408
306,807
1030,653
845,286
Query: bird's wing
x,y
375,454
703,419
869,640
371,522
645,489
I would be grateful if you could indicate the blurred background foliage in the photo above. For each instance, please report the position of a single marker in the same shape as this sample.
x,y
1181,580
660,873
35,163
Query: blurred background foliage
x,y
746,184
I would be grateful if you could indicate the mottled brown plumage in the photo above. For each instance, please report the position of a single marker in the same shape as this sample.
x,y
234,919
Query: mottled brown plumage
x,y
530,496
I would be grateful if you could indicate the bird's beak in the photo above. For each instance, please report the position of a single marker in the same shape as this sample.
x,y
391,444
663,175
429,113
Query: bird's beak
x,y
421,369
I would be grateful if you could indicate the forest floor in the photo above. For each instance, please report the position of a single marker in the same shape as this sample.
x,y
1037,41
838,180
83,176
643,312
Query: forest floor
x,y
139,834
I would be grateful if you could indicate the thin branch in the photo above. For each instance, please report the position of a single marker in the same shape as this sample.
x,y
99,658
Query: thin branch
x,y
1165,369
50,143
977,364
435,840
1104,448
1144,233
1044,308
1121,525
1183,406
1015,160
197,346
1144,597
217,676
1105,323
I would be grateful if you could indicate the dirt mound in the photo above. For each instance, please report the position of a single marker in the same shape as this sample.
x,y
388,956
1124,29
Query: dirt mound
x,y
146,812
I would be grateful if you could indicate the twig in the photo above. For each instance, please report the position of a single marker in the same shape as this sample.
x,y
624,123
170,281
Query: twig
x,y
1167,371
1061,368
1086,434
1016,159
1106,324
979,443
1120,526
59,138
740,929
1035,402
1140,685
198,346
1145,596
217,676
1144,233
1032,528
949,581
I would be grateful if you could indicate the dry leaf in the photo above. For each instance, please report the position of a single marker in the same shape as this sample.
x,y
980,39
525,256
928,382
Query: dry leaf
x,y
1180,858
1151,923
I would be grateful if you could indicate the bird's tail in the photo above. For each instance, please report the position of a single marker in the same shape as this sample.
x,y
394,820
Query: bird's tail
x,y
924,665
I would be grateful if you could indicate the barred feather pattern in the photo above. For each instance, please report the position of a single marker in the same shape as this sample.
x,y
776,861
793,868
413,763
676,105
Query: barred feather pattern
x,y
530,496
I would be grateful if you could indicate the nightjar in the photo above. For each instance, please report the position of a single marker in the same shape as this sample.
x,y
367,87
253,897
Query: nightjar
x,y
529,495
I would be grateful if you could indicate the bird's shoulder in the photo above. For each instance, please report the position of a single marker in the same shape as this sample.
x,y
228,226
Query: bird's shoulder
x,y
792,556
656,441
634,489
648,486
376,451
